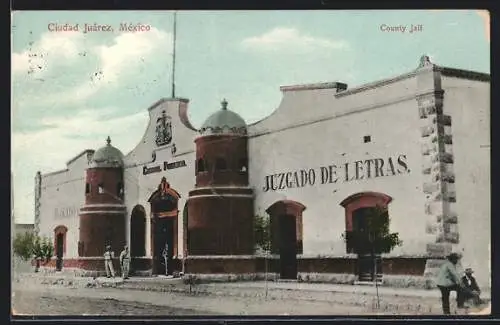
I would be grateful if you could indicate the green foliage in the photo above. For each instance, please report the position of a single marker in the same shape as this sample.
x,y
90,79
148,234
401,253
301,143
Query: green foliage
x,y
23,245
262,232
43,248
29,245
376,238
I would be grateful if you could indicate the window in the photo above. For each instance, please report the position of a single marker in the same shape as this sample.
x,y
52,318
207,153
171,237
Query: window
x,y
243,165
220,164
201,165
87,188
100,188
367,138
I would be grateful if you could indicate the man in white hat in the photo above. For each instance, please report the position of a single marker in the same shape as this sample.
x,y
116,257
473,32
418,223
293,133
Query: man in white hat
x,y
108,262
125,262
470,288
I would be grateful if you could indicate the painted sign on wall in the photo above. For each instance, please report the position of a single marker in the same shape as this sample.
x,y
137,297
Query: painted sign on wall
x,y
166,165
65,212
337,173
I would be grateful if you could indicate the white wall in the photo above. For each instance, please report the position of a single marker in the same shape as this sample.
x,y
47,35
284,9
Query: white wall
x,y
394,131
63,194
468,104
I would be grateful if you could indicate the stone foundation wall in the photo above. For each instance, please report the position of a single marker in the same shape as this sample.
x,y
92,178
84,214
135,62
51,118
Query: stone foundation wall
x,y
94,266
397,271
397,281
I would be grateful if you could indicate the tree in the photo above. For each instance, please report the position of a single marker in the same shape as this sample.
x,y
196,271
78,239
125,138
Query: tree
x,y
43,248
23,245
374,238
262,233
28,246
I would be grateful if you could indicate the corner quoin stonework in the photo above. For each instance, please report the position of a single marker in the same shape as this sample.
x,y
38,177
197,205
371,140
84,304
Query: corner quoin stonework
x,y
437,169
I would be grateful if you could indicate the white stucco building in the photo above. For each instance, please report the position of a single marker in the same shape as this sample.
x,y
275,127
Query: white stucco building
x,y
418,144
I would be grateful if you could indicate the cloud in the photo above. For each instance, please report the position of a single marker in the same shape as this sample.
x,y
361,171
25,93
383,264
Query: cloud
x,y
50,50
130,49
486,19
124,57
290,39
58,136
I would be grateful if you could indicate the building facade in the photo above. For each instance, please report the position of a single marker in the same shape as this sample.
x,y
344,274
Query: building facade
x,y
416,145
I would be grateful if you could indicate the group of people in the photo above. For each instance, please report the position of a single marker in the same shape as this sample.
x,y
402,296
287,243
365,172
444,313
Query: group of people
x,y
449,280
124,262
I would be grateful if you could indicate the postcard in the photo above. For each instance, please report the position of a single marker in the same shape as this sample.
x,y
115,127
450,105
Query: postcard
x,y
251,162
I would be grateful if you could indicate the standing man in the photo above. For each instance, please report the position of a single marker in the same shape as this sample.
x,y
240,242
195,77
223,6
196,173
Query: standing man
x,y
449,280
165,257
125,262
108,262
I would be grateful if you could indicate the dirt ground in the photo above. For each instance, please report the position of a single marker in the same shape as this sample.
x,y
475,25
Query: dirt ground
x,y
42,300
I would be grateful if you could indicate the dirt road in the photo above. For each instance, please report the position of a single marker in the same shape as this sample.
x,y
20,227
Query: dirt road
x,y
43,300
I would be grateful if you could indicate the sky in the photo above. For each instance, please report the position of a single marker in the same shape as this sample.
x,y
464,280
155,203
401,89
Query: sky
x,y
73,89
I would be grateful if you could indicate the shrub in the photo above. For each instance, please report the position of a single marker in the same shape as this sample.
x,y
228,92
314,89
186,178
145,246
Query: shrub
x,y
28,245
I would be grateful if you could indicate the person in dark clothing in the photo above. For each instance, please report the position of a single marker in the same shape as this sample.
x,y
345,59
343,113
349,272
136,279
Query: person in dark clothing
x,y
449,280
470,288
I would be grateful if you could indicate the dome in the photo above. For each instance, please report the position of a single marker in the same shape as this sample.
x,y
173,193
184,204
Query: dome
x,y
224,122
107,156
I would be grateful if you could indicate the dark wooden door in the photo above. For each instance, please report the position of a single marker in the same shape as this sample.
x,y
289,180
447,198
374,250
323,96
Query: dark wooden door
x,y
59,251
163,234
138,234
367,263
288,247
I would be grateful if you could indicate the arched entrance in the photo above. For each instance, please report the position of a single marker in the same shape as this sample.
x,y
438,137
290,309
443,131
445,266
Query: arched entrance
x,y
359,208
138,231
60,245
286,235
164,221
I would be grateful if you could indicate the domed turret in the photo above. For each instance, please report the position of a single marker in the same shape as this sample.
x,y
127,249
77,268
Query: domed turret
x,y
224,122
102,217
220,207
107,156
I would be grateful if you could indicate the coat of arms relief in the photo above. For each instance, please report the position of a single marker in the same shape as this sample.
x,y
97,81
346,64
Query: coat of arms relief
x,y
163,130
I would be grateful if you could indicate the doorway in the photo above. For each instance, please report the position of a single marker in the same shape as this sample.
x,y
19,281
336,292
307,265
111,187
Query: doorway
x,y
59,245
288,247
163,235
286,235
368,263
59,251
164,213
138,232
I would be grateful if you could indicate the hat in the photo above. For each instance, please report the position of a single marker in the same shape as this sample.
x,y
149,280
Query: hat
x,y
453,255
469,270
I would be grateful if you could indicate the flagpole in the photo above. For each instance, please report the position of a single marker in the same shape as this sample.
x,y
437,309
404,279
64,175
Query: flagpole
x,y
173,54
